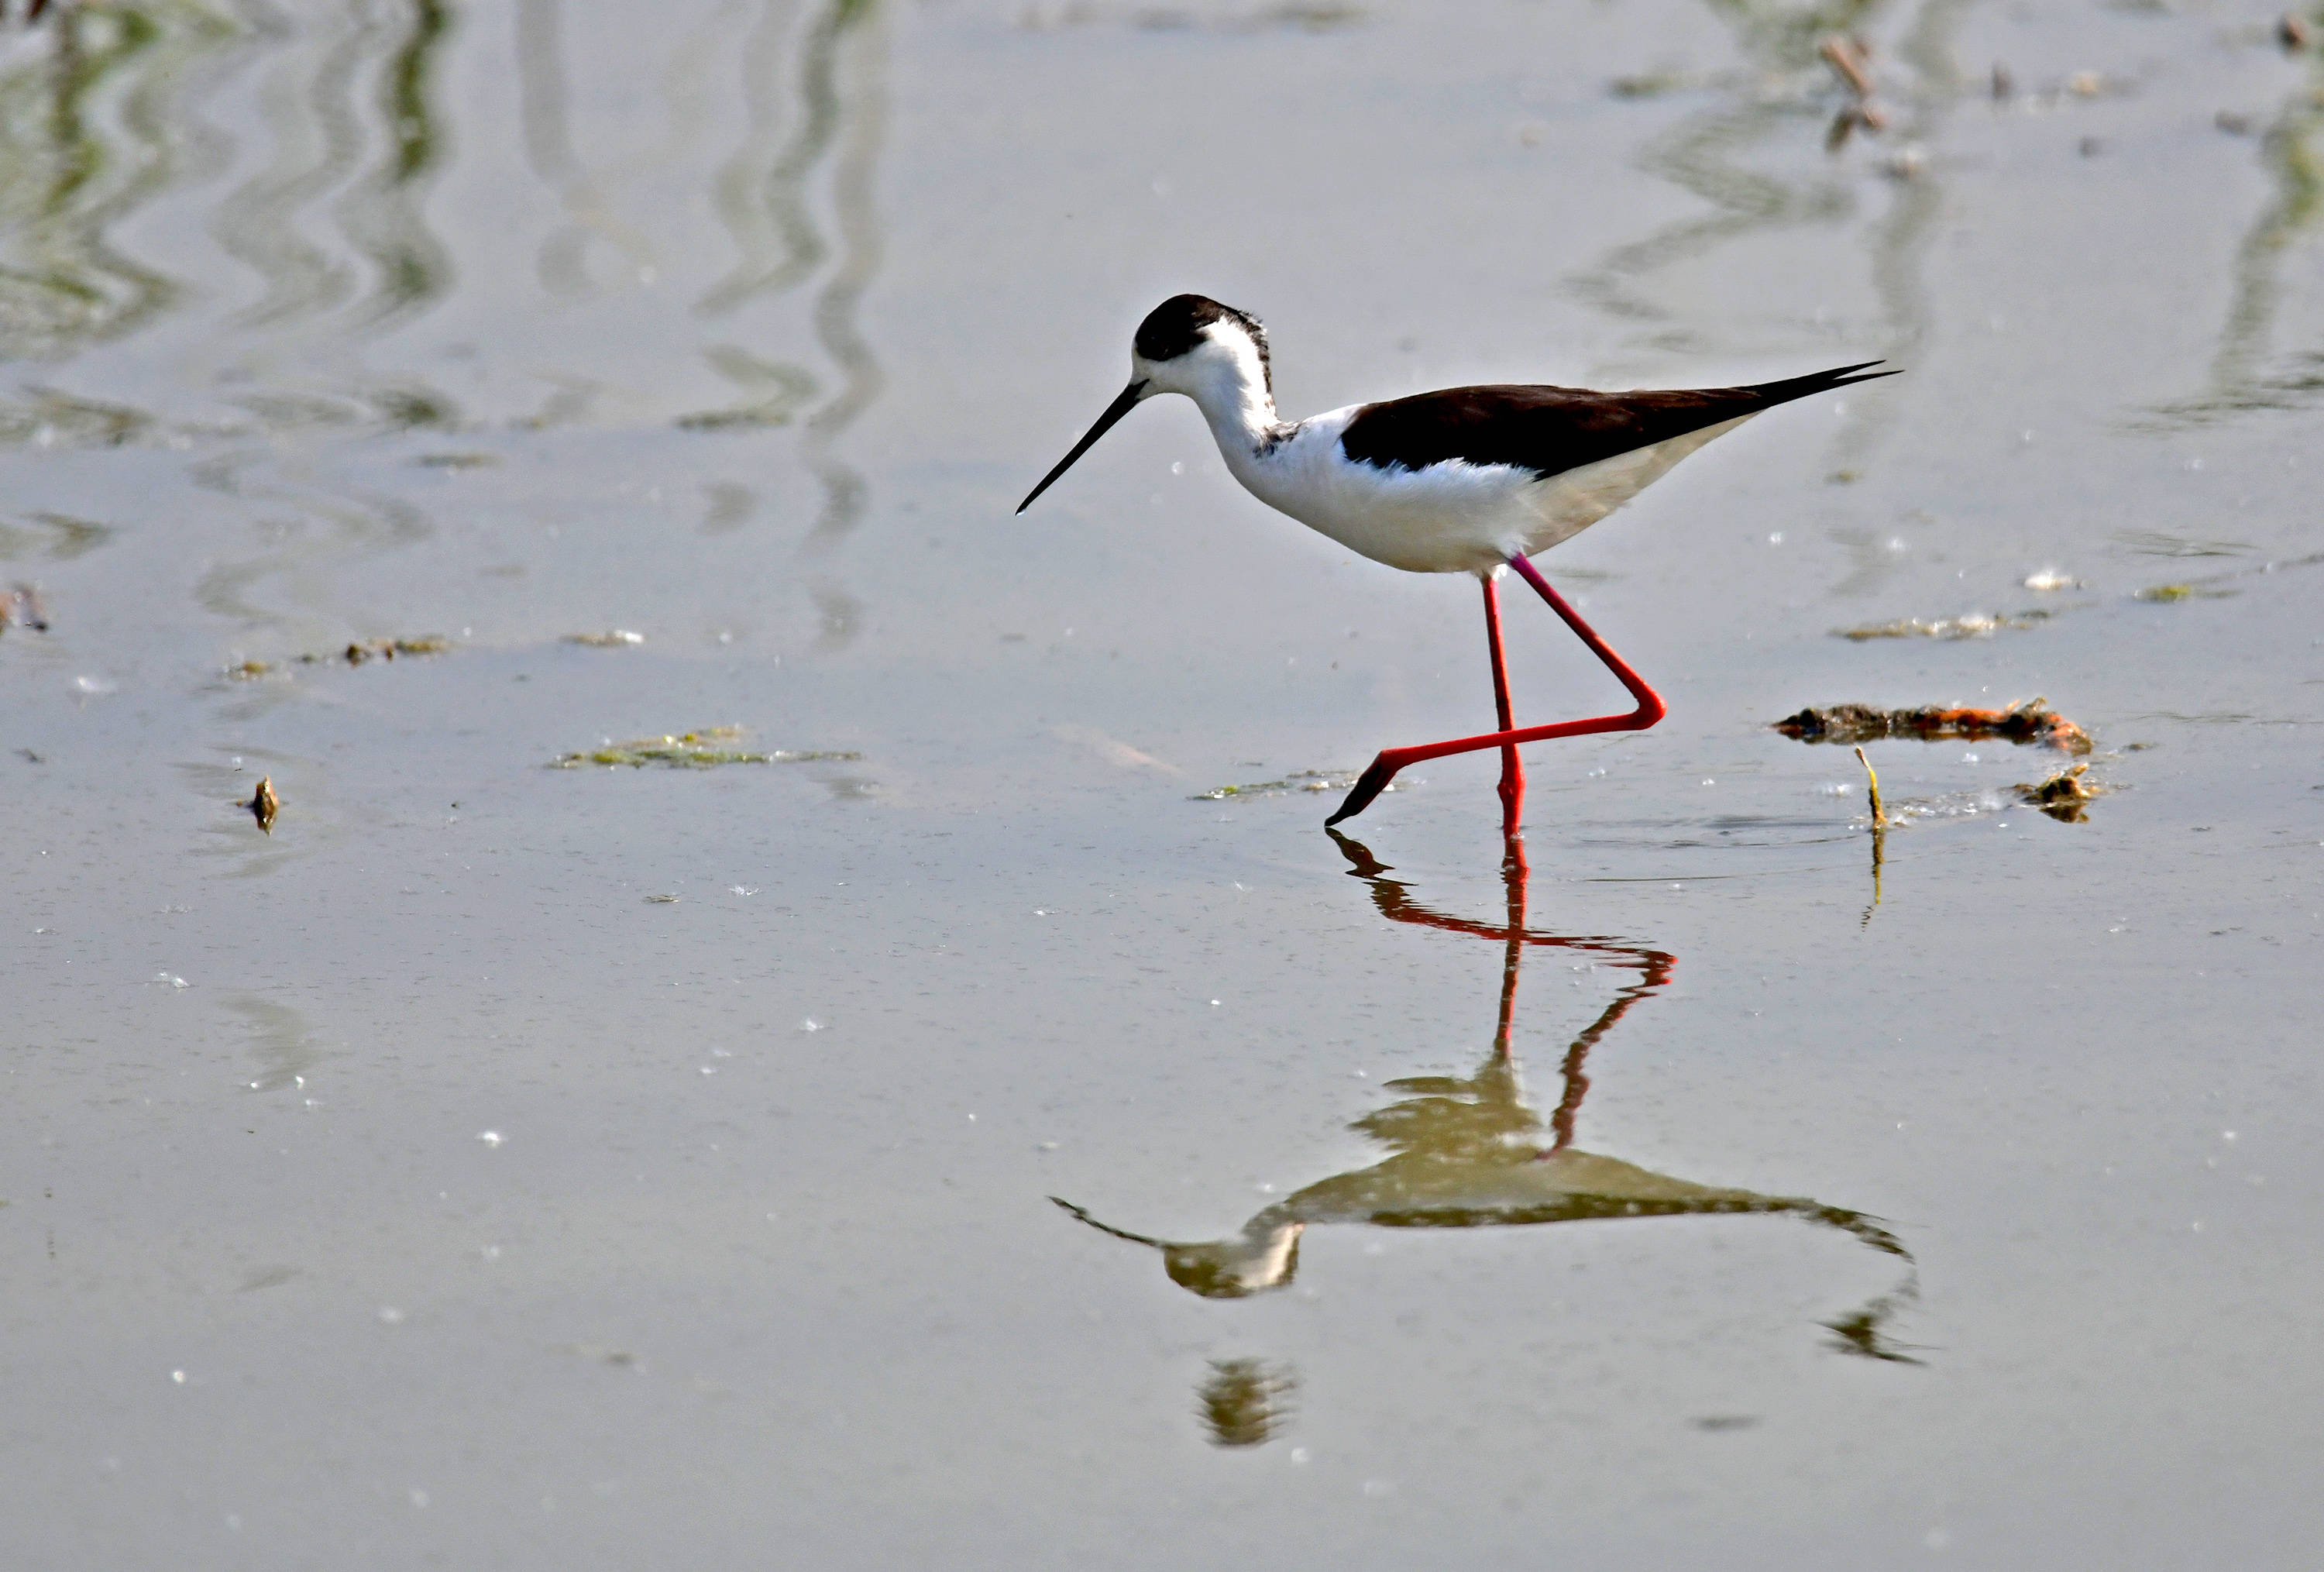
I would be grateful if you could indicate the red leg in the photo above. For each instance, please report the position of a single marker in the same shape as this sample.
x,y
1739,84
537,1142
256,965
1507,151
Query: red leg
x,y
1651,709
1512,767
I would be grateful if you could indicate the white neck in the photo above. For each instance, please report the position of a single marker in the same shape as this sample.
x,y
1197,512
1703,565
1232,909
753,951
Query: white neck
x,y
1231,389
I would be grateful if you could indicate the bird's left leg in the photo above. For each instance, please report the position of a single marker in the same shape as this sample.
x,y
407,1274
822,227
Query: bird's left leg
x,y
1650,709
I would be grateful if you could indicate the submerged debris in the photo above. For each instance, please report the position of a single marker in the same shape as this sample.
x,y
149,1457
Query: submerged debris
x,y
1849,59
693,750
263,804
1861,723
611,639
2166,593
1970,625
20,605
1298,780
364,650
2050,578
2061,796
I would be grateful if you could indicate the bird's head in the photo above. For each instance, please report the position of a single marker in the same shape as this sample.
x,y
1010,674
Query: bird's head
x,y
1264,1255
1191,345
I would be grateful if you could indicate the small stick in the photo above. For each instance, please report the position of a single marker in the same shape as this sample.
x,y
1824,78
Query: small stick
x,y
1841,54
1879,819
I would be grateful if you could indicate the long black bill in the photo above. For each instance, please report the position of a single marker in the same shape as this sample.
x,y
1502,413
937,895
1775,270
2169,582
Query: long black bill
x,y
1113,412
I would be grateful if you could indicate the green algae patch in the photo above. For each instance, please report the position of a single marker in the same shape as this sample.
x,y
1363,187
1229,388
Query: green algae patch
x,y
1974,626
696,749
1299,781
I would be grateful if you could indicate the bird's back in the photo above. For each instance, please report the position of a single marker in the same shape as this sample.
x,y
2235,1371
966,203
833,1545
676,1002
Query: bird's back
x,y
1550,430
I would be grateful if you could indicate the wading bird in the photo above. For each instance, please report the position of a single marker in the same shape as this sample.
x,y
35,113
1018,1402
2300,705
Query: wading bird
x,y
1462,480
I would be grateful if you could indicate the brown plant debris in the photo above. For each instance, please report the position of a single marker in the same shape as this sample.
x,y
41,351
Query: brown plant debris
x,y
2029,722
364,650
611,639
696,749
2062,795
263,804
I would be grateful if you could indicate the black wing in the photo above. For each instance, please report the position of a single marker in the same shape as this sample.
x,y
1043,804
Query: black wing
x,y
1551,429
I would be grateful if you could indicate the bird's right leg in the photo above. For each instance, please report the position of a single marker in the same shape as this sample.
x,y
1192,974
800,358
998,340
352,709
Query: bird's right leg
x,y
1512,786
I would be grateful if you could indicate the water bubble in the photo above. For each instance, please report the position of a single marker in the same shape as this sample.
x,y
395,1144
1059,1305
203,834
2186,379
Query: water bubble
x,y
810,1024
489,1137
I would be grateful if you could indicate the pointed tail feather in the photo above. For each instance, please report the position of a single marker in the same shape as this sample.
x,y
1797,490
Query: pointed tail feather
x,y
1816,382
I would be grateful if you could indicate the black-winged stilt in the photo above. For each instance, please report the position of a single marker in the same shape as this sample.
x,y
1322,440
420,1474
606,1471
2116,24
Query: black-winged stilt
x,y
1462,480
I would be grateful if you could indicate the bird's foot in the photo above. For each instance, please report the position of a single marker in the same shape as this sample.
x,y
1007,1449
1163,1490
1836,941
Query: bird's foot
x,y
1368,785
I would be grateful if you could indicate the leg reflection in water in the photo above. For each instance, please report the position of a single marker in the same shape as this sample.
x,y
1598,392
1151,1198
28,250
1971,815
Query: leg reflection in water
x,y
1469,1152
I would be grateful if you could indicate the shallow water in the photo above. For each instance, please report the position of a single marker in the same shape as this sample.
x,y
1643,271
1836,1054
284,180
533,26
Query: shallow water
x,y
419,1183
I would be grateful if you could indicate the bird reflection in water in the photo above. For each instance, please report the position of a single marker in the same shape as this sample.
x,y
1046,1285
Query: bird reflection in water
x,y
1469,1153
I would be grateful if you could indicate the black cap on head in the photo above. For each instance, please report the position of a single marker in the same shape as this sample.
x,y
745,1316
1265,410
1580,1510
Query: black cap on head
x,y
1176,325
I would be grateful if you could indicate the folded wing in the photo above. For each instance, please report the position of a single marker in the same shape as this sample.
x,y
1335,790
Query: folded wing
x,y
1551,429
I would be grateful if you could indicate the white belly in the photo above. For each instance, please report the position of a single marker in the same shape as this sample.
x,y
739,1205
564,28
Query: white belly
x,y
1453,517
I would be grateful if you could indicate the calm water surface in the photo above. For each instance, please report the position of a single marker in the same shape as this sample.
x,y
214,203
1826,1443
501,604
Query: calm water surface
x,y
975,1145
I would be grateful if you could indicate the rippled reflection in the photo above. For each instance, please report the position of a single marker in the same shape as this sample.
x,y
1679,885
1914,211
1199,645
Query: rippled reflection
x,y
2248,372
1754,157
835,128
1468,1151
90,112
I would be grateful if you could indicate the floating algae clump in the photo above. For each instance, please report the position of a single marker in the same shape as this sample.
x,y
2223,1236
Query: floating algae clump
x,y
1299,781
693,750
1971,625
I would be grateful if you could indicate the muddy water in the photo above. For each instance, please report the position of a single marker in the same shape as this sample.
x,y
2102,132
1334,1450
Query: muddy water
x,y
501,1165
